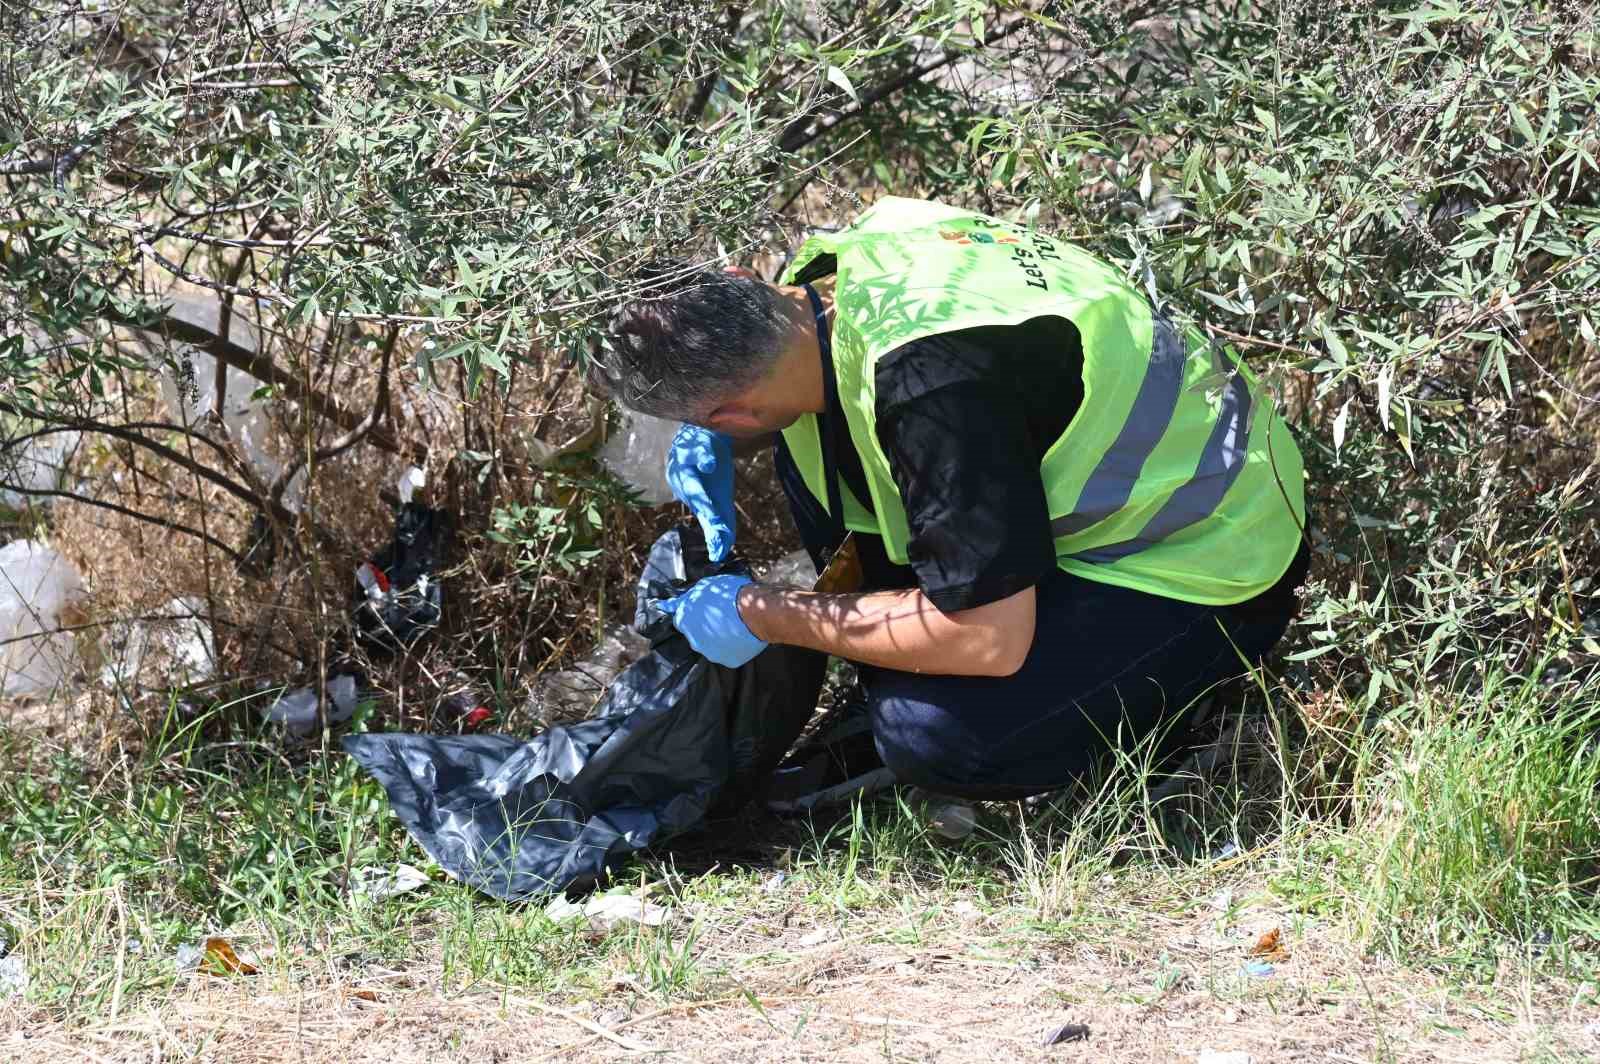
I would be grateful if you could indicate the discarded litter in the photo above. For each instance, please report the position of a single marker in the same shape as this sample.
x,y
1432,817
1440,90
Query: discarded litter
x,y
1259,969
1067,1032
38,463
412,480
38,590
378,883
344,693
606,912
13,976
1229,1056
817,937
636,454
950,818
397,600
573,692
174,647
674,737
190,393
297,710
214,956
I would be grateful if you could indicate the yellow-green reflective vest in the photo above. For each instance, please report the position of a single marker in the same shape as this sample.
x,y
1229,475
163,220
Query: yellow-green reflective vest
x,y
1176,476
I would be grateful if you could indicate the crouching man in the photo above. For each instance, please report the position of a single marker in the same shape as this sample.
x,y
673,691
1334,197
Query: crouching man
x,y
1076,517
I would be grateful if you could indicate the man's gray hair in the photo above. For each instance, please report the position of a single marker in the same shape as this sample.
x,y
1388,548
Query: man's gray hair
x,y
692,338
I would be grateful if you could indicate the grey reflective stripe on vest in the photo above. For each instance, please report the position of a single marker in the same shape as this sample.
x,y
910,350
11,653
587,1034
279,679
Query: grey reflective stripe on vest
x,y
1199,496
1111,483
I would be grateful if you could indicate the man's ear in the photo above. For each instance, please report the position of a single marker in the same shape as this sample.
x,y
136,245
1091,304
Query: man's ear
x,y
742,271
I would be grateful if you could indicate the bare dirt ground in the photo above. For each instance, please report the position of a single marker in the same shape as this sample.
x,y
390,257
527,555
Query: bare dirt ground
x,y
1172,990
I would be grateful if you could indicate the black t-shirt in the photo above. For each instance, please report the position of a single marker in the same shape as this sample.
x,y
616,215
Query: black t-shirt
x,y
964,419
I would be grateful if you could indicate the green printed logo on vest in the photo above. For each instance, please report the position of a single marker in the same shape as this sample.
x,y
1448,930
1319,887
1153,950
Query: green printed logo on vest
x,y
1027,252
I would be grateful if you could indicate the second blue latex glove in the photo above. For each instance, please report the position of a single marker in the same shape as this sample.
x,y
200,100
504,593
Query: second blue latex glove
x,y
700,473
708,616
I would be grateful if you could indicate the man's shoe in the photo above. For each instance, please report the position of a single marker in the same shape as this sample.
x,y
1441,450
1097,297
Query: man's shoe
x,y
951,819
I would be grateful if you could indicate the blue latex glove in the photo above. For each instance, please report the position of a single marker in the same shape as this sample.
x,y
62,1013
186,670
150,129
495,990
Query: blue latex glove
x,y
700,473
708,615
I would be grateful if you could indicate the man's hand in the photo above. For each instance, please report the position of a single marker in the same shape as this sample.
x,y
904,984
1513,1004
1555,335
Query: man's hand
x,y
700,473
708,616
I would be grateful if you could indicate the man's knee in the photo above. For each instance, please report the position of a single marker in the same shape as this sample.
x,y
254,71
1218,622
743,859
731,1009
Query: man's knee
x,y
923,745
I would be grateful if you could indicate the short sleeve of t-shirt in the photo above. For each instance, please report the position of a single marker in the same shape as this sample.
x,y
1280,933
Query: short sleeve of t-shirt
x,y
964,419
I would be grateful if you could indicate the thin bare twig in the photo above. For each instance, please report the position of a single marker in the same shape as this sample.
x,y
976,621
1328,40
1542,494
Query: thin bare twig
x,y
380,406
161,522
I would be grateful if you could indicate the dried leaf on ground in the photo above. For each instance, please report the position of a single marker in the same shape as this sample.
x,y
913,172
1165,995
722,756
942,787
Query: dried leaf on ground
x,y
220,959
1269,947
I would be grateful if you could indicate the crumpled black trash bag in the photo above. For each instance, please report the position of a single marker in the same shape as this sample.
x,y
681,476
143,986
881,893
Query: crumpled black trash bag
x,y
674,736
411,600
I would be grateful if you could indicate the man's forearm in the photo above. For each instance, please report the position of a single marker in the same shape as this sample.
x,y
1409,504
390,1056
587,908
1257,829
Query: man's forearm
x,y
899,630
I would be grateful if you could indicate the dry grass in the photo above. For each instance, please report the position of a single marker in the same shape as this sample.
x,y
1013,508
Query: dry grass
x,y
1150,982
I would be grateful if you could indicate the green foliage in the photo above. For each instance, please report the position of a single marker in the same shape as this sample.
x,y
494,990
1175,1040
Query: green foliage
x,y
487,173
1391,209
1484,822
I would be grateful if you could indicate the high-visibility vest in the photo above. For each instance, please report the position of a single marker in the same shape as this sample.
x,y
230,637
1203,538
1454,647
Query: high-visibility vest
x,y
1175,476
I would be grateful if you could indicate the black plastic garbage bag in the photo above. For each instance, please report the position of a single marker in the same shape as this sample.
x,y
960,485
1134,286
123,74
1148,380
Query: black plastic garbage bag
x,y
674,736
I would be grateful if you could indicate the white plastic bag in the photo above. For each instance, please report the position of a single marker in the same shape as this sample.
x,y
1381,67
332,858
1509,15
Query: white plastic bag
x,y
37,585
37,464
192,400
177,650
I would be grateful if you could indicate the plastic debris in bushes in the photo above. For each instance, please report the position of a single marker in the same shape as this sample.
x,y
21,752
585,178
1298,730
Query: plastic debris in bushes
x,y
39,591
379,883
36,463
397,599
636,454
675,737
174,647
189,389
297,710
573,692
465,711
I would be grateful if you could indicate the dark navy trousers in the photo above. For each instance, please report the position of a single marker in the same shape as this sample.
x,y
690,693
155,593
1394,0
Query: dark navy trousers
x,y
1109,667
